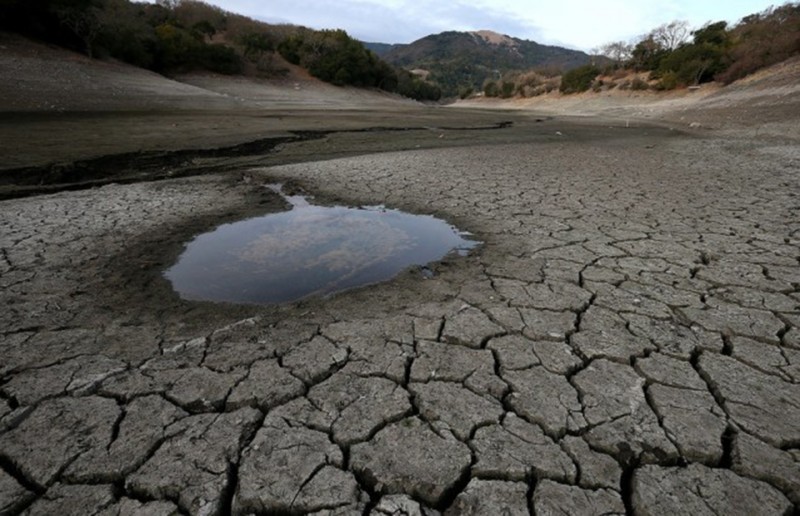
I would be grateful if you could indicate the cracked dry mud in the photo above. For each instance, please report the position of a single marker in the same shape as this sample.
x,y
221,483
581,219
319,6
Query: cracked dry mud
x,y
625,341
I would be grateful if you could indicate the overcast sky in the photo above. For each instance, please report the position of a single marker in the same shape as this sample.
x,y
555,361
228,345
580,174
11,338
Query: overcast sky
x,y
581,24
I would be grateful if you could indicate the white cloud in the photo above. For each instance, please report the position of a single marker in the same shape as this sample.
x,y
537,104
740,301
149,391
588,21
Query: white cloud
x,y
582,24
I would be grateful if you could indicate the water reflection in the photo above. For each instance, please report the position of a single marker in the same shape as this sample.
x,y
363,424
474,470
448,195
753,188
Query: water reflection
x,y
309,251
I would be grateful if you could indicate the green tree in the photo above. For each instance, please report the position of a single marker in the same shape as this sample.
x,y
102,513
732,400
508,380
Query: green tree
x,y
647,54
699,61
255,44
507,89
204,28
490,89
579,79
411,86
333,56
175,46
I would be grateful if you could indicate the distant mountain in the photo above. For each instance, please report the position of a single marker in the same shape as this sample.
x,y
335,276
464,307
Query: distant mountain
x,y
458,60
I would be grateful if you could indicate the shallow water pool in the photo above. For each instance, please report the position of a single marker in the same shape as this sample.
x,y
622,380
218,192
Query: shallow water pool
x,y
309,251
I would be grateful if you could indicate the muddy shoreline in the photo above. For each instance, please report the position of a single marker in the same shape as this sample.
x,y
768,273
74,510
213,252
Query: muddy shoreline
x,y
139,166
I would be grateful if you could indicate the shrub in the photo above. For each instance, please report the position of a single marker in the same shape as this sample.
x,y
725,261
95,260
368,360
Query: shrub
x,y
507,89
490,89
762,40
217,58
411,86
579,80
176,48
639,84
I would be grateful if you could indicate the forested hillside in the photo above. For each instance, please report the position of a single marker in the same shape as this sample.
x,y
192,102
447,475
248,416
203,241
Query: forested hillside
x,y
670,56
461,62
673,55
174,36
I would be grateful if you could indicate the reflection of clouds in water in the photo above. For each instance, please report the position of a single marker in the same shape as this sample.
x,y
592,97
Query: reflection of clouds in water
x,y
364,250
337,239
308,251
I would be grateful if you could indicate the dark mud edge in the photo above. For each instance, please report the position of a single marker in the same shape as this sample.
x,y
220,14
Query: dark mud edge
x,y
133,280
134,167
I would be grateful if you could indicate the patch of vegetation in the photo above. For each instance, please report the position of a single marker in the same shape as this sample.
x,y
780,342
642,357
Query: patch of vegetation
x,y
333,56
490,89
460,61
639,84
762,40
678,57
579,80
173,36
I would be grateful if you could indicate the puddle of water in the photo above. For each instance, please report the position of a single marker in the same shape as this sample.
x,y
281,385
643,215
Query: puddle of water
x,y
309,251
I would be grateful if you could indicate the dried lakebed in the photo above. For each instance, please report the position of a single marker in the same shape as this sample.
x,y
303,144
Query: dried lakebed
x,y
625,341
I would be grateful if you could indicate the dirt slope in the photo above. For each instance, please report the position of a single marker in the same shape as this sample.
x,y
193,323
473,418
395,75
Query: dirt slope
x,y
38,77
768,101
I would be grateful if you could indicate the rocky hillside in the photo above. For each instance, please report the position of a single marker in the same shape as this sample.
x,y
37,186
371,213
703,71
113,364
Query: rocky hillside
x,y
462,60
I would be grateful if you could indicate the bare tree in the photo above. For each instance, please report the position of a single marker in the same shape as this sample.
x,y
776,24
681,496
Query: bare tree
x,y
617,51
671,35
